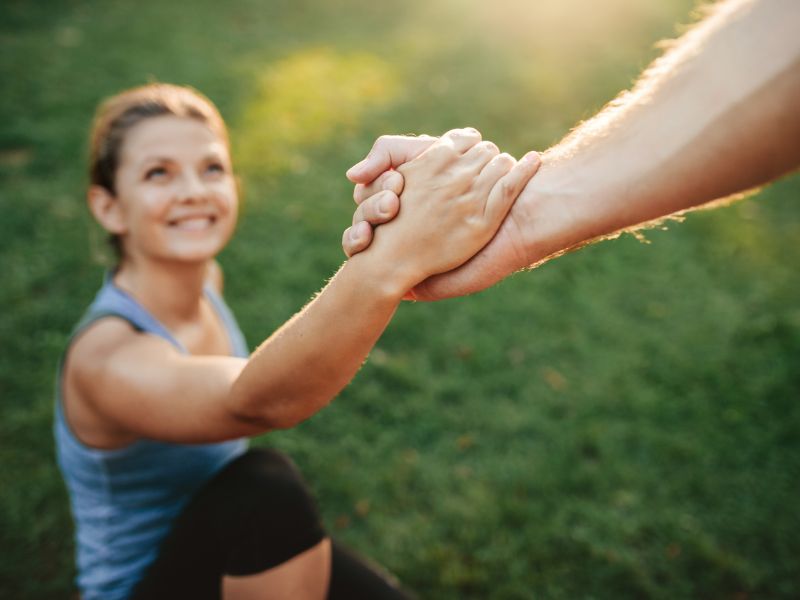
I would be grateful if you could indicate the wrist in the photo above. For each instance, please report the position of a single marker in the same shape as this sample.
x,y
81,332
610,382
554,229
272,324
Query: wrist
x,y
377,275
565,205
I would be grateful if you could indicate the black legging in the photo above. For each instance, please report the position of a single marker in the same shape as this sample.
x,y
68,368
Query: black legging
x,y
255,514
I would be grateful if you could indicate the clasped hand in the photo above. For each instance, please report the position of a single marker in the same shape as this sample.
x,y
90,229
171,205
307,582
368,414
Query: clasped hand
x,y
455,192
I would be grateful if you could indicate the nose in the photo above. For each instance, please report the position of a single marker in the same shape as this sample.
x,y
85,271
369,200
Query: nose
x,y
192,189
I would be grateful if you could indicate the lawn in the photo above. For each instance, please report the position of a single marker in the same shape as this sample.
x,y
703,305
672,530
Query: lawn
x,y
620,423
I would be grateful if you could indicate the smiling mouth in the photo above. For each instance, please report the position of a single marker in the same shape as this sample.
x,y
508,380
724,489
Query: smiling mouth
x,y
193,223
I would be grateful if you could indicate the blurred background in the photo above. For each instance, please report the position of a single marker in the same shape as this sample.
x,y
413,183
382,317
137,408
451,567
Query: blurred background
x,y
621,423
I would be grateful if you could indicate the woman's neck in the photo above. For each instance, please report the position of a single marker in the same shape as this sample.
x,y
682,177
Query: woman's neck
x,y
171,292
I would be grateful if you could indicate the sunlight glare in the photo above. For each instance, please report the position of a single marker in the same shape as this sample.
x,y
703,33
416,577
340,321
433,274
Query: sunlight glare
x,y
305,100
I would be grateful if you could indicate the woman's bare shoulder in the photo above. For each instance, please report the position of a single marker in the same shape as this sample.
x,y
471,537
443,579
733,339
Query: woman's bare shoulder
x,y
93,347
98,362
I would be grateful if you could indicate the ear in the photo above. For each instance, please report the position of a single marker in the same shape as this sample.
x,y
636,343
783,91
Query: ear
x,y
106,209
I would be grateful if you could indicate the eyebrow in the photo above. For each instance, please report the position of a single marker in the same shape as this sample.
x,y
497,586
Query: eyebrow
x,y
159,159
155,159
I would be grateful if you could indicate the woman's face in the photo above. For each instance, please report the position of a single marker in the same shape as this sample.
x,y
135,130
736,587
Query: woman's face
x,y
176,191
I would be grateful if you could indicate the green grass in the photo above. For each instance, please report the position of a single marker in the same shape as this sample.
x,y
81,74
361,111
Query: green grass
x,y
621,423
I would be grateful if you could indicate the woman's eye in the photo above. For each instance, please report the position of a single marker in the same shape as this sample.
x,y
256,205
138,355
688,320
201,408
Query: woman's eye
x,y
155,172
215,168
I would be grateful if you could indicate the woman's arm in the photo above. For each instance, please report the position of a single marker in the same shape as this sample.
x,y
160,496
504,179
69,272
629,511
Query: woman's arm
x,y
143,387
455,197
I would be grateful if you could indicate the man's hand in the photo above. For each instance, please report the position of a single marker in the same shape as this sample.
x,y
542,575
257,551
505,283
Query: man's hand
x,y
505,254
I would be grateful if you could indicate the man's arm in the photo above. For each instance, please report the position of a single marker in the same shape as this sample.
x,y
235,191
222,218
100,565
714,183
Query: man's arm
x,y
718,114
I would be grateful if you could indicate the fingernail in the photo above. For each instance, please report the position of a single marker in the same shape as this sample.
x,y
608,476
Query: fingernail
x,y
355,234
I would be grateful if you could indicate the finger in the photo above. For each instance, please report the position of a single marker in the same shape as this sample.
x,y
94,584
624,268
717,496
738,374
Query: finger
x,y
508,187
388,152
494,170
389,180
485,269
445,151
497,260
479,156
356,238
462,139
377,209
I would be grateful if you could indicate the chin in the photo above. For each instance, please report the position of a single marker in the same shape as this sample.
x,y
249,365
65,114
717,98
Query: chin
x,y
194,253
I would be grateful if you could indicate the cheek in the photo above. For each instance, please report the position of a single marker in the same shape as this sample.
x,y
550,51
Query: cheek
x,y
229,199
233,212
147,209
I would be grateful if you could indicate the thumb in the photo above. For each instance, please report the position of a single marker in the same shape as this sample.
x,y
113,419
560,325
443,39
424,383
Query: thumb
x,y
388,152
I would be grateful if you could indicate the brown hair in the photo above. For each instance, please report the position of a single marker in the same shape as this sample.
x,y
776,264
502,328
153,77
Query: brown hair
x,y
120,113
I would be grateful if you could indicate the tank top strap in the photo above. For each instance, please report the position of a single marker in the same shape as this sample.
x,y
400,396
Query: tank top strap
x,y
111,301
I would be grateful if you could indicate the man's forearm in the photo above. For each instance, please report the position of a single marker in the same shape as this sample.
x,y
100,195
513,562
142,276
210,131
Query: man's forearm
x,y
718,114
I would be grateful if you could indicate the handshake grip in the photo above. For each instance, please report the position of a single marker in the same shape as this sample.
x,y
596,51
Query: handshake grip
x,y
440,200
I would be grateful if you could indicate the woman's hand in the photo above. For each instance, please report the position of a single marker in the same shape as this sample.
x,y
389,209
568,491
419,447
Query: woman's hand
x,y
378,202
375,169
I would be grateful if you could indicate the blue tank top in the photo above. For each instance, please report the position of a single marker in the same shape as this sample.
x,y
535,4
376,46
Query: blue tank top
x,y
124,500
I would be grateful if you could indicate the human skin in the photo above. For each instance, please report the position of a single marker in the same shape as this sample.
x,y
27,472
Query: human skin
x,y
717,115
175,209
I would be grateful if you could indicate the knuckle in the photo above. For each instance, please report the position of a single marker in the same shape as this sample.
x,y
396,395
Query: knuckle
x,y
406,168
369,209
465,133
504,161
346,241
469,132
506,158
507,187
488,147
474,222
394,182
442,151
382,179
388,203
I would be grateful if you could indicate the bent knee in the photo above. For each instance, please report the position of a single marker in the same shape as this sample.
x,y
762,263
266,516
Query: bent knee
x,y
269,477
273,515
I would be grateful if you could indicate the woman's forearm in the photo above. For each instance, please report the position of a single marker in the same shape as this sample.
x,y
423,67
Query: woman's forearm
x,y
307,362
458,186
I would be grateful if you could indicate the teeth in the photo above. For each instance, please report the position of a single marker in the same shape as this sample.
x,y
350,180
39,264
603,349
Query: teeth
x,y
194,223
